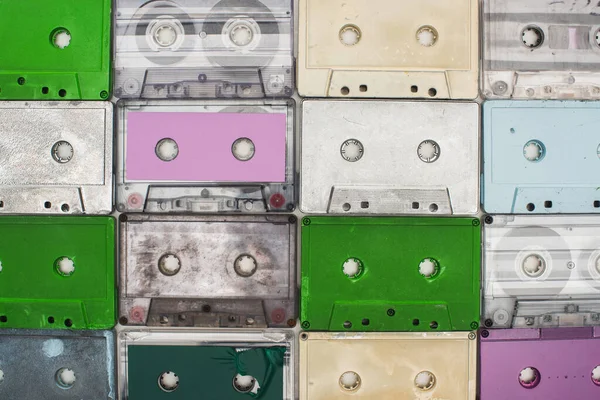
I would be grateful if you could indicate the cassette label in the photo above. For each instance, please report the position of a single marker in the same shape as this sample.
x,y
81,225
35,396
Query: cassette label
x,y
218,364
390,274
56,157
549,364
72,260
63,56
541,49
50,365
531,164
388,366
222,157
357,158
346,50
216,272
541,271
203,49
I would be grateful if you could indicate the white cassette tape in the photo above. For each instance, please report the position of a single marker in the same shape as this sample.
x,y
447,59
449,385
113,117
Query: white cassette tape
x,y
541,271
388,48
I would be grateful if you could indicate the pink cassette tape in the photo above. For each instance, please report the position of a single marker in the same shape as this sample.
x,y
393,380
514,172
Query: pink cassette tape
x,y
540,364
205,156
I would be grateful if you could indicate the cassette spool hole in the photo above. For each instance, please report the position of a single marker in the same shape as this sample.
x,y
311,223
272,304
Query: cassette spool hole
x,y
65,378
529,377
168,381
533,265
243,149
65,266
167,149
428,151
427,36
245,265
350,35
425,380
429,267
595,375
352,268
169,264
62,151
534,151
60,38
350,381
532,36
241,34
352,150
244,383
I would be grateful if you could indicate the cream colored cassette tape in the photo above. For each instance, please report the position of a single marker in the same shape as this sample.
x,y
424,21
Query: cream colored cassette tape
x,y
388,48
388,366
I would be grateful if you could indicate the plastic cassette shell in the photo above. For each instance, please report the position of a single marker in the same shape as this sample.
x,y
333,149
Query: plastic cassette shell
x,y
35,67
32,360
565,360
56,158
541,271
560,176
205,175
194,355
387,365
72,260
203,49
208,271
390,274
387,59
538,49
426,164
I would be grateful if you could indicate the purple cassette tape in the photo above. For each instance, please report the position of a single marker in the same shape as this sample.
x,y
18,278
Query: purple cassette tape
x,y
540,364
205,156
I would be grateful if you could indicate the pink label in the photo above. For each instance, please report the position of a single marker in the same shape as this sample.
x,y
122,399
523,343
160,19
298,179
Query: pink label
x,y
204,141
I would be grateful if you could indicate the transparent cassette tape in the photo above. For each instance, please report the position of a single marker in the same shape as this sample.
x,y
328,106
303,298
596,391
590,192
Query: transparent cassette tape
x,y
56,158
389,157
388,48
541,271
223,157
57,365
203,49
208,271
215,364
539,49
388,366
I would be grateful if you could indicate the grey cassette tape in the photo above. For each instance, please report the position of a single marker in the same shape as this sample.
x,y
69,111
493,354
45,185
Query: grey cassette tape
x,y
541,271
56,157
389,157
539,49
203,49
208,271
57,365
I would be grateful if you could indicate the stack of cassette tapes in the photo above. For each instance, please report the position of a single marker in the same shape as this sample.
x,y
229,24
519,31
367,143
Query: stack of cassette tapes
x,y
300,199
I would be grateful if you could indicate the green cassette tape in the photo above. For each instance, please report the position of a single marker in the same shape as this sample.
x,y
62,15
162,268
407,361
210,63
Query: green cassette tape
x,y
416,274
55,50
57,272
211,365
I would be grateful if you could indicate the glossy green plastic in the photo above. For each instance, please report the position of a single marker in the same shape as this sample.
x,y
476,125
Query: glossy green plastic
x,y
33,67
204,372
386,289
36,293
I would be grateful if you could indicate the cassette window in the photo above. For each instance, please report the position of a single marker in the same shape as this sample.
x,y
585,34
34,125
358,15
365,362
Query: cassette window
x,y
390,274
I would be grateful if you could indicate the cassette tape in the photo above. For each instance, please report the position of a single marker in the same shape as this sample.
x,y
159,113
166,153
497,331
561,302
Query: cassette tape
x,y
531,166
390,274
57,272
217,364
57,50
388,157
203,49
389,49
541,271
56,158
536,364
51,365
539,49
388,366
240,160
208,271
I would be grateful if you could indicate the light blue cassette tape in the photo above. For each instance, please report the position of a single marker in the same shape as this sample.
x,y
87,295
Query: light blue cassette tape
x,y
541,157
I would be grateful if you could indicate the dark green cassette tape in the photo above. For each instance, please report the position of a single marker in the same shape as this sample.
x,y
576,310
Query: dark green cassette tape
x,y
390,274
211,365
55,50
57,272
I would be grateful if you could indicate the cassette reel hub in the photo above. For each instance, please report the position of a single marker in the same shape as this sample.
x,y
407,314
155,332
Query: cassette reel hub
x,y
167,149
62,151
595,375
243,149
169,264
350,381
534,265
428,151
350,35
241,34
60,38
353,268
352,150
534,150
65,378
165,33
168,381
425,380
427,36
532,36
64,266
429,267
244,383
245,265
529,377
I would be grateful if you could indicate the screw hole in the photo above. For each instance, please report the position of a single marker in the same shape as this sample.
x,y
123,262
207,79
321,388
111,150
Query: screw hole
x,y
345,91
47,204
45,90
433,325
391,312
51,320
432,92
65,208
530,207
62,92
363,88
3,318
366,321
416,322
68,323
21,81
346,206
414,88
433,207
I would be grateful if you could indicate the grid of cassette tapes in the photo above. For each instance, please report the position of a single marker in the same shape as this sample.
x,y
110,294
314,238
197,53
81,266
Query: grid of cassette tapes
x,y
300,199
